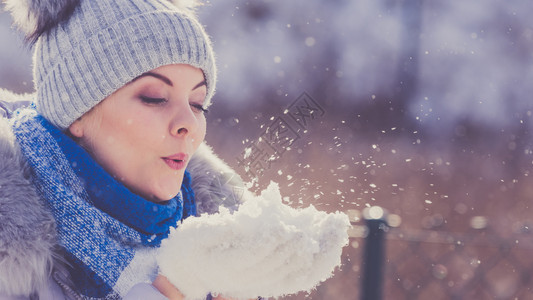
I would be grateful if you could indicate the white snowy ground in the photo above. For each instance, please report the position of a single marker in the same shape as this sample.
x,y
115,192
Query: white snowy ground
x,y
266,248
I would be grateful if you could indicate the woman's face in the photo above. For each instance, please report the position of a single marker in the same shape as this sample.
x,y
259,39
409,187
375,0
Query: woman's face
x,y
145,133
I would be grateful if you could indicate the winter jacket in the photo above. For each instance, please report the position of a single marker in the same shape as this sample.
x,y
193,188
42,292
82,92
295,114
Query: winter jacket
x,y
30,264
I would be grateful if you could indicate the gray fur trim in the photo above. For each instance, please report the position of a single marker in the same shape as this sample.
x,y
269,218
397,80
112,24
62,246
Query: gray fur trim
x,y
27,229
9,102
214,182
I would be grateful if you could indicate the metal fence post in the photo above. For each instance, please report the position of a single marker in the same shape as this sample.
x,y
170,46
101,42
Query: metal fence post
x,y
374,253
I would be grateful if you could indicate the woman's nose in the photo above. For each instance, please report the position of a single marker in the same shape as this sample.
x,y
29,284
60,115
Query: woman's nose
x,y
183,121
182,131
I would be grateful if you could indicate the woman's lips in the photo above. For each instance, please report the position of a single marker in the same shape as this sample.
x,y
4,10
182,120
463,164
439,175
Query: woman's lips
x,y
176,161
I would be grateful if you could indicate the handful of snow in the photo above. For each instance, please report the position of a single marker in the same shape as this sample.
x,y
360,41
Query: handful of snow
x,y
264,249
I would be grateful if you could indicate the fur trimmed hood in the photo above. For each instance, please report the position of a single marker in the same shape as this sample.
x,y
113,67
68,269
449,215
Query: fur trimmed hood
x,y
28,230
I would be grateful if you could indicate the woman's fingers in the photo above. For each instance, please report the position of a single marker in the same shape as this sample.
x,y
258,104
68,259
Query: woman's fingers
x,y
167,289
223,298
171,292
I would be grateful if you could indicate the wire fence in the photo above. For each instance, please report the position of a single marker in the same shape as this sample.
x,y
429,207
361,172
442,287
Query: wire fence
x,y
411,264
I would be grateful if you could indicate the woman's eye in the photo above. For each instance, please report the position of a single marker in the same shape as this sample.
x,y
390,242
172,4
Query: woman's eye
x,y
199,108
150,100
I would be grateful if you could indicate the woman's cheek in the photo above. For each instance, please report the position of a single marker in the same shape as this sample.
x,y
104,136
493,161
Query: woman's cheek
x,y
203,129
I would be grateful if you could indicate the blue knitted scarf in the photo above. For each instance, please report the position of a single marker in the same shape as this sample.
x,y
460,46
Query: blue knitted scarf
x,y
108,234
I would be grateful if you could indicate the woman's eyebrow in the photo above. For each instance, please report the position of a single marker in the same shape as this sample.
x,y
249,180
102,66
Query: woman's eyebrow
x,y
199,85
155,75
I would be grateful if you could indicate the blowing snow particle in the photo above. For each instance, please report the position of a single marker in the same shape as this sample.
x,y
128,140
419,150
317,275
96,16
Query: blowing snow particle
x,y
265,248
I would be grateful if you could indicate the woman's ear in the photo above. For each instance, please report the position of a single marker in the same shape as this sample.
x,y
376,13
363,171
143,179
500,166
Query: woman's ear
x,y
76,128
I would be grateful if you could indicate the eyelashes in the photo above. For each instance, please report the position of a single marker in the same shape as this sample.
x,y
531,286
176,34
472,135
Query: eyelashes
x,y
198,108
150,100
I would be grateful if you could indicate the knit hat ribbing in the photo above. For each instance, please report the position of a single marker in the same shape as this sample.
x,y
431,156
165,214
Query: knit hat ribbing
x,y
107,43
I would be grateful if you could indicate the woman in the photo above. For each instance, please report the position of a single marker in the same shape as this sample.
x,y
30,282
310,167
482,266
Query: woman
x,y
111,156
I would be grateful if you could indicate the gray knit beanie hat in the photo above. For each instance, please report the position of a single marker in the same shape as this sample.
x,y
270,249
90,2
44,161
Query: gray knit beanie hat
x,y
87,49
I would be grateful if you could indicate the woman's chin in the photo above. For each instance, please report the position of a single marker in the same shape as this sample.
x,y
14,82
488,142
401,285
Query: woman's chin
x,y
160,191
165,194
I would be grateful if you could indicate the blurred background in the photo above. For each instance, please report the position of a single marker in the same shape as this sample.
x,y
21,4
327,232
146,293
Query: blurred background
x,y
420,107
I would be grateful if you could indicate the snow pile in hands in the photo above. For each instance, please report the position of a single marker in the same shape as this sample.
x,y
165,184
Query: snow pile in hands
x,y
264,249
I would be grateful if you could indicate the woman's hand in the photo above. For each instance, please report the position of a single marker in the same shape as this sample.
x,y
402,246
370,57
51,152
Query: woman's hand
x,y
171,292
167,289
222,298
